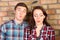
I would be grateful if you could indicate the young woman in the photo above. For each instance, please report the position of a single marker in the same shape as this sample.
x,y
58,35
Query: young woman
x,y
39,28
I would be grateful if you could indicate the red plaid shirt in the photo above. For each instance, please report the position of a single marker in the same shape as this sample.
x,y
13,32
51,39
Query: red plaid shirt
x,y
46,33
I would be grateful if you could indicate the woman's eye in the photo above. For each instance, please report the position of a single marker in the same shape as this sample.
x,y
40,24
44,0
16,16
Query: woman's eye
x,y
35,15
41,15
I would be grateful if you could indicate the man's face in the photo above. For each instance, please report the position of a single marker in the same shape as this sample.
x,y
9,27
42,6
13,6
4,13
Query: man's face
x,y
20,12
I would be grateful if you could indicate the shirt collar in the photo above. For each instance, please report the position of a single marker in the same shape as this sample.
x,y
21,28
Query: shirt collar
x,y
23,23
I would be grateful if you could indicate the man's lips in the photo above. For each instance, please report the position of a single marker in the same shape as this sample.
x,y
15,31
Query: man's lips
x,y
20,16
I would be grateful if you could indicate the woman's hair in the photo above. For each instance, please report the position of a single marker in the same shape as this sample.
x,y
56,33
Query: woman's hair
x,y
32,21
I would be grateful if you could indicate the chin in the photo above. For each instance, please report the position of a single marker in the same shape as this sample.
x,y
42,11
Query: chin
x,y
38,22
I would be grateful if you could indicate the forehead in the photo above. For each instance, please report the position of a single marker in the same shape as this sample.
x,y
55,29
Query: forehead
x,y
21,7
38,11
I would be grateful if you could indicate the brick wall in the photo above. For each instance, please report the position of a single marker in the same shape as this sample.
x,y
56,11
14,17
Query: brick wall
x,y
52,8
7,9
53,11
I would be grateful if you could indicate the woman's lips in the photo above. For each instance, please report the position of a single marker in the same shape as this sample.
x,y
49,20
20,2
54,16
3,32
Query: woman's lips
x,y
38,21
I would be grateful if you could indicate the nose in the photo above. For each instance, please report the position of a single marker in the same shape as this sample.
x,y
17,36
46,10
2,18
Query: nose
x,y
21,12
38,16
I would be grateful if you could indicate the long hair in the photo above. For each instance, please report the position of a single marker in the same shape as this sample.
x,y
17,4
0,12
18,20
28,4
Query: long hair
x,y
32,21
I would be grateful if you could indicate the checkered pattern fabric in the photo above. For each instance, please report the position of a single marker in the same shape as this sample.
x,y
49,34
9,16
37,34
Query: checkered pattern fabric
x,y
46,33
13,31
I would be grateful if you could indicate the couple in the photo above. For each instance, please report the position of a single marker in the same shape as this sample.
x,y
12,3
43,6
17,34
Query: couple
x,y
19,29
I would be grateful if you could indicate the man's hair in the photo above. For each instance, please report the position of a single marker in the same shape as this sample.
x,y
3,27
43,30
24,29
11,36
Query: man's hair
x,y
21,4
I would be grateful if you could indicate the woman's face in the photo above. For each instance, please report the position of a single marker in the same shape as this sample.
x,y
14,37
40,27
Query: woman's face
x,y
38,16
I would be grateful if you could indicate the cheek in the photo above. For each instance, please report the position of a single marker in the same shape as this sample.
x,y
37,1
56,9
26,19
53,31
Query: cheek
x,y
23,15
16,11
40,19
18,14
43,17
35,18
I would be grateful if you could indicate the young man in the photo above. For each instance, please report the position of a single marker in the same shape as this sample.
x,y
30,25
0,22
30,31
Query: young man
x,y
14,29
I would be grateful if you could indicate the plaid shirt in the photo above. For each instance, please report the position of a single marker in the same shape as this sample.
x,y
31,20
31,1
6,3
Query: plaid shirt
x,y
46,33
12,31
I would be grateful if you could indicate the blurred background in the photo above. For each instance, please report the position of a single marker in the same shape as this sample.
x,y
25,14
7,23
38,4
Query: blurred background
x,y
52,8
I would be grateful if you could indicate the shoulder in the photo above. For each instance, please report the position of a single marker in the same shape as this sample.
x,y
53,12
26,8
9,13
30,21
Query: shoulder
x,y
27,28
50,31
5,26
6,23
50,28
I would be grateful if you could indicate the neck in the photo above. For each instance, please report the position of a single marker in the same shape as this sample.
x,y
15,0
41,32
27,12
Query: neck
x,y
18,21
39,25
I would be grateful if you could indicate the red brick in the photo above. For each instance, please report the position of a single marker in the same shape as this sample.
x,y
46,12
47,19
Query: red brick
x,y
11,8
56,26
58,1
45,6
13,3
11,13
29,3
6,19
56,32
4,9
52,22
1,21
11,18
58,11
3,13
54,6
58,22
50,11
57,37
9,0
3,3
54,16
48,1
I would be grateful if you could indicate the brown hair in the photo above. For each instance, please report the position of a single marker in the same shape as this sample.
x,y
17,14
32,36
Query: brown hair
x,y
21,4
32,21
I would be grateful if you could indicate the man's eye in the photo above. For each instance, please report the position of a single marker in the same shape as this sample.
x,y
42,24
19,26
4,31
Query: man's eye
x,y
18,10
24,11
